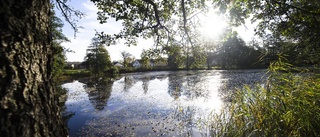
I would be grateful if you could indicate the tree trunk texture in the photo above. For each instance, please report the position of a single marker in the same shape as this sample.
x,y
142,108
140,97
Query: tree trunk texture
x,y
28,104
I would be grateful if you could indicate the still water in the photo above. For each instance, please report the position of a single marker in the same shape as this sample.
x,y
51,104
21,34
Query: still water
x,y
164,103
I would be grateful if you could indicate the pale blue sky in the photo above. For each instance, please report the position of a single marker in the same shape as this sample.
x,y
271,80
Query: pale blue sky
x,y
90,24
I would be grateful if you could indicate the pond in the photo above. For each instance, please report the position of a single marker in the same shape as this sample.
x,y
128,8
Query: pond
x,y
163,103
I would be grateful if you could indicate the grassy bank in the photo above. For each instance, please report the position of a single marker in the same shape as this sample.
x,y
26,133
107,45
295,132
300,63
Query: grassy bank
x,y
68,74
288,105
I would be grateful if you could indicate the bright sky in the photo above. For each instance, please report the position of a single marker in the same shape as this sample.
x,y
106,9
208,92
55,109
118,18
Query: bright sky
x,y
90,24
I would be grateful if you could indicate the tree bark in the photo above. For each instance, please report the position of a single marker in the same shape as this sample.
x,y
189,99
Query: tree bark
x,y
28,104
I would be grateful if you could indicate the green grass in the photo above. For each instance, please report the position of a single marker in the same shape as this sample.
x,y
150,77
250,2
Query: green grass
x,y
73,73
288,105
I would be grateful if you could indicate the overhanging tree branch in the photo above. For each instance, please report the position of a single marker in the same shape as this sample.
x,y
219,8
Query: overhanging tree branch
x,y
68,13
298,8
184,15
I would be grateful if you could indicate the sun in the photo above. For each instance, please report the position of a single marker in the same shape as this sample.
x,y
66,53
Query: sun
x,y
212,25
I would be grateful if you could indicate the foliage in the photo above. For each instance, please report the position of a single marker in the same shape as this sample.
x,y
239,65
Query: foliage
x,y
145,58
151,57
286,20
234,53
57,39
113,71
287,105
176,58
126,56
97,59
210,48
293,23
152,19
198,58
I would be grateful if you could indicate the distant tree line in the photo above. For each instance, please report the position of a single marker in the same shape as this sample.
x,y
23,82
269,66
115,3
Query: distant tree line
x,y
234,53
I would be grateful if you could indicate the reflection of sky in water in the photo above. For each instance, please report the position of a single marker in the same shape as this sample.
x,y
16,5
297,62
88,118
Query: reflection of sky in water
x,y
77,97
149,104
78,103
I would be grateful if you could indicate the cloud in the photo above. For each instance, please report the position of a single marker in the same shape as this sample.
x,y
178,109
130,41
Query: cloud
x,y
79,47
90,24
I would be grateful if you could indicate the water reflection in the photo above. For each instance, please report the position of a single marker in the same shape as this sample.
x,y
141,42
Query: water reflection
x,y
99,91
197,87
234,80
129,81
191,85
151,103
145,84
175,86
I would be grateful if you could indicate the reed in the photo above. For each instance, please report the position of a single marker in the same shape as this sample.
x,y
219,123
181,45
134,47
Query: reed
x,y
287,105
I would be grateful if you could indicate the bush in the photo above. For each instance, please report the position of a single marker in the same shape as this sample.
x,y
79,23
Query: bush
x,y
288,105
113,71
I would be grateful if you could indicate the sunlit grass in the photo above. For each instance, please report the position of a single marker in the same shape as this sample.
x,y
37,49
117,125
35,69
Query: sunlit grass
x,y
72,73
289,105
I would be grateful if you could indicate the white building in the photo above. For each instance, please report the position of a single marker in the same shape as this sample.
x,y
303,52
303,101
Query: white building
x,y
136,64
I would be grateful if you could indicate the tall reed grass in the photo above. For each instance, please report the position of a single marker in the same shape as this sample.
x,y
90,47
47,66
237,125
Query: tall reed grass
x,y
287,105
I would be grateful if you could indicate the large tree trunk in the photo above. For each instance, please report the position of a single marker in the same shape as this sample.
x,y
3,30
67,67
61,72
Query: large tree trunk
x,y
28,104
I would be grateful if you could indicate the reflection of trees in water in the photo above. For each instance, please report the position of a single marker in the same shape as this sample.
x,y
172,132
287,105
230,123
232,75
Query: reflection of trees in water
x,y
191,86
99,92
237,80
131,80
145,84
175,86
146,80
196,87
128,83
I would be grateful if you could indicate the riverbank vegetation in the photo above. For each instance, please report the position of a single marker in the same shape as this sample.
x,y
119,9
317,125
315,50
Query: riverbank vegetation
x,y
287,105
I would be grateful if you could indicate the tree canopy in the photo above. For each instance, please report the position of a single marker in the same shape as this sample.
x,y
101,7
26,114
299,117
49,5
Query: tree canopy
x,y
97,58
57,38
295,21
169,21
164,21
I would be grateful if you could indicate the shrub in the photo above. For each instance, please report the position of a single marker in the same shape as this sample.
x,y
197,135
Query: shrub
x,y
113,71
287,105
